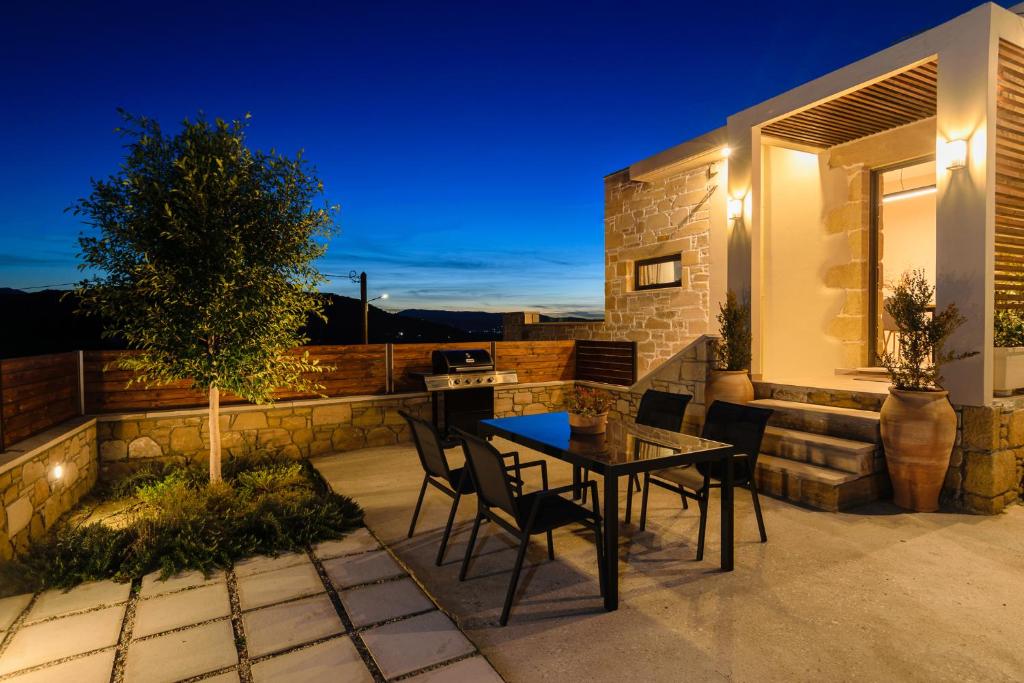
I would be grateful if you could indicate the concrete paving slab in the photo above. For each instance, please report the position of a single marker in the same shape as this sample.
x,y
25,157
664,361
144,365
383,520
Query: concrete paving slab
x,y
277,628
352,570
358,541
11,608
185,608
95,668
226,677
471,670
383,601
56,602
416,643
332,660
268,588
60,638
153,586
181,654
265,563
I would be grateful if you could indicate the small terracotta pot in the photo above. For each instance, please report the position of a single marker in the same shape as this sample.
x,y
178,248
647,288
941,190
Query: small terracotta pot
x,y
918,431
588,424
733,386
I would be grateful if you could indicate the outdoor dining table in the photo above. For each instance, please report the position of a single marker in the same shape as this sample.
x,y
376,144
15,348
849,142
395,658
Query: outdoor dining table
x,y
621,451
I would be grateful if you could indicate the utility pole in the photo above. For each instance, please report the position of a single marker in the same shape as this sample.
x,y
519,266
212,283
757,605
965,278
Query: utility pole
x,y
366,307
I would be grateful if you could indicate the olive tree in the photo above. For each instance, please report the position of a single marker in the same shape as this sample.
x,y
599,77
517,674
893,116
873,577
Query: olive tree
x,y
201,259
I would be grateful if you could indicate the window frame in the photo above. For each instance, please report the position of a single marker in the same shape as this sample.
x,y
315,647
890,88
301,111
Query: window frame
x,y
670,258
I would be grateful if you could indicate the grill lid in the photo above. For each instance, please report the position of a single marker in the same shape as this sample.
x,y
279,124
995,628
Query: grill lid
x,y
448,361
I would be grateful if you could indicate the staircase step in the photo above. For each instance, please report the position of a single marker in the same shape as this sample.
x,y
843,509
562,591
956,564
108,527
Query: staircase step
x,y
845,455
823,488
845,423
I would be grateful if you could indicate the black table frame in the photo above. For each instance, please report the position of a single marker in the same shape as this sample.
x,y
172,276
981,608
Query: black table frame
x,y
611,473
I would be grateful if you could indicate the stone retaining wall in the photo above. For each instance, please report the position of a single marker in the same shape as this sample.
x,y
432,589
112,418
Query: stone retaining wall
x,y
33,496
299,429
986,471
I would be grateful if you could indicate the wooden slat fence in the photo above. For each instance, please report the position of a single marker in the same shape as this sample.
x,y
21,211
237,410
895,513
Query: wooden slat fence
x,y
606,361
537,361
37,393
1009,204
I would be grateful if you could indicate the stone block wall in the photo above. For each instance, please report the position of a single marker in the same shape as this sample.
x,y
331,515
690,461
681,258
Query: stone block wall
x,y
33,497
986,471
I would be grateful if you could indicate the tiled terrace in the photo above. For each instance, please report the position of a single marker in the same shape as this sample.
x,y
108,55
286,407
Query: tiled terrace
x,y
344,611
874,594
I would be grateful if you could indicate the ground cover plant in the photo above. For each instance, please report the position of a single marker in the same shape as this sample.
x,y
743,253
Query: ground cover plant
x,y
172,518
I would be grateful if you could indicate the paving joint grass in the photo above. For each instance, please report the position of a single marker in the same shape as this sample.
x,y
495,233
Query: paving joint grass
x,y
238,628
125,637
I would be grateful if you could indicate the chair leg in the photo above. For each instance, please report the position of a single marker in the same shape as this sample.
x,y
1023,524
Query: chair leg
x,y
419,503
702,502
448,529
629,500
551,546
682,496
634,480
515,578
599,545
586,478
469,548
757,511
643,501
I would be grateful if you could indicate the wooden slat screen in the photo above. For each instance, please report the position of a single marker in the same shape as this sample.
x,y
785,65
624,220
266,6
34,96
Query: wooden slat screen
x,y
1009,209
409,358
608,362
38,392
358,370
895,101
538,361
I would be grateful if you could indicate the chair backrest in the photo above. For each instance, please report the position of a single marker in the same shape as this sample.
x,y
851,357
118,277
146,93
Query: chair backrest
x,y
741,426
428,446
662,410
493,486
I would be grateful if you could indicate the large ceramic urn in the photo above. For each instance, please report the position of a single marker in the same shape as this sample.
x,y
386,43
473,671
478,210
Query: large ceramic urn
x,y
918,431
732,386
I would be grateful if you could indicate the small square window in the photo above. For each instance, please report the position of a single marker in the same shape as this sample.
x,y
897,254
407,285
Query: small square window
x,y
656,273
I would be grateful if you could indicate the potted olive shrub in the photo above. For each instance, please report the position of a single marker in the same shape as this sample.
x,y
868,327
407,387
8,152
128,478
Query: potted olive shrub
x,y
730,380
917,421
588,411
1008,361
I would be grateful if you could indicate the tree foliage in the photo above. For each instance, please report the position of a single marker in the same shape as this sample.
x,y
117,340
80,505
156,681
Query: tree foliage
x,y
204,253
732,351
918,360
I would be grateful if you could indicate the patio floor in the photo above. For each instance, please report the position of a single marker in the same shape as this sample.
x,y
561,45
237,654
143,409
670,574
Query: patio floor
x,y
345,611
874,594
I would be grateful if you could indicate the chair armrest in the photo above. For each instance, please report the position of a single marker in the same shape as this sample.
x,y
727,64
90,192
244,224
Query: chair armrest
x,y
519,466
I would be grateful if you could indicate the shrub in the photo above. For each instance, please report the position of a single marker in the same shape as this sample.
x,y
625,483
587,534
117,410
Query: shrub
x,y
1009,329
266,504
732,352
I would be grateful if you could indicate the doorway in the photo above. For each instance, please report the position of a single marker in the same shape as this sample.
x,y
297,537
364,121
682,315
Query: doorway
x,y
902,238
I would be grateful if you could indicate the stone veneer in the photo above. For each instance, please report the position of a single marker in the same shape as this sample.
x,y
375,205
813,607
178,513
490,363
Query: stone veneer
x,y
33,498
669,215
986,471
299,429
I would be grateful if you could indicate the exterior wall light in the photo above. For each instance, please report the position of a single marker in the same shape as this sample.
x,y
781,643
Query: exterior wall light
x,y
726,152
735,209
57,472
955,154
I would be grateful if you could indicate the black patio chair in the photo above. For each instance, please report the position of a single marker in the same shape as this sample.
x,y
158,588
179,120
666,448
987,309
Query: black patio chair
x,y
659,409
524,514
741,426
454,483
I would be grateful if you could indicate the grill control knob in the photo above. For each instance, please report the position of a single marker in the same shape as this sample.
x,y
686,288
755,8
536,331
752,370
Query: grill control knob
x,y
490,379
455,381
478,380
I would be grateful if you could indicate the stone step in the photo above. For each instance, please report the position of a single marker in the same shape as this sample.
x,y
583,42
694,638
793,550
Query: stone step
x,y
845,423
818,487
870,374
845,455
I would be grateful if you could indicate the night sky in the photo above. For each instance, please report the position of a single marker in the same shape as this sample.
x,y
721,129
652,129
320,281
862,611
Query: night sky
x,y
465,142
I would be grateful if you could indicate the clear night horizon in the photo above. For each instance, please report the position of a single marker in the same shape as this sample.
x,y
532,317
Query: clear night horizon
x,y
465,142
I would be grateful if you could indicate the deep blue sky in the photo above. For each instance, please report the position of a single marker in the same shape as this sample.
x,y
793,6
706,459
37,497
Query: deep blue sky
x,y
465,142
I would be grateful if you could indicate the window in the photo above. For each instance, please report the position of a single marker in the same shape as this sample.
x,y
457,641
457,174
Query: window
x,y
656,273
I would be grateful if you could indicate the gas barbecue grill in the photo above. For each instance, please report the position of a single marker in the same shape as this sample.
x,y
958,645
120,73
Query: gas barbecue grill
x,y
462,387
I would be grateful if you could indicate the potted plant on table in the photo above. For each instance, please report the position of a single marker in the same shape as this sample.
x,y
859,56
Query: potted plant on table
x,y
1008,360
588,410
730,379
917,421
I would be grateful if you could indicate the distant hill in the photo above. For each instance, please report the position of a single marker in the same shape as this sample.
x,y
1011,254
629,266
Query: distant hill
x,y
45,322
477,322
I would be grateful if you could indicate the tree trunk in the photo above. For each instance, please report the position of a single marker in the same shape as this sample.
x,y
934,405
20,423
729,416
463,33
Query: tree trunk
x,y
214,434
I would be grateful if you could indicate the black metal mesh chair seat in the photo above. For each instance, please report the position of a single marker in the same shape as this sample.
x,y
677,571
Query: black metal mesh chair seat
x,y
465,481
741,426
552,512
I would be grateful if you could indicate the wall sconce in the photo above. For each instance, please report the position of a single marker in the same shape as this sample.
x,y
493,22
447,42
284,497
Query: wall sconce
x,y
726,152
734,210
56,473
954,153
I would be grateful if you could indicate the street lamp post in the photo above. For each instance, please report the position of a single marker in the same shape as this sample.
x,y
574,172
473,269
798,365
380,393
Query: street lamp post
x,y
361,279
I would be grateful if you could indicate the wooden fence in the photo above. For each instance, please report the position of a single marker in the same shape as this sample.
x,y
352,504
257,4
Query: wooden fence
x,y
41,391
606,361
36,393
